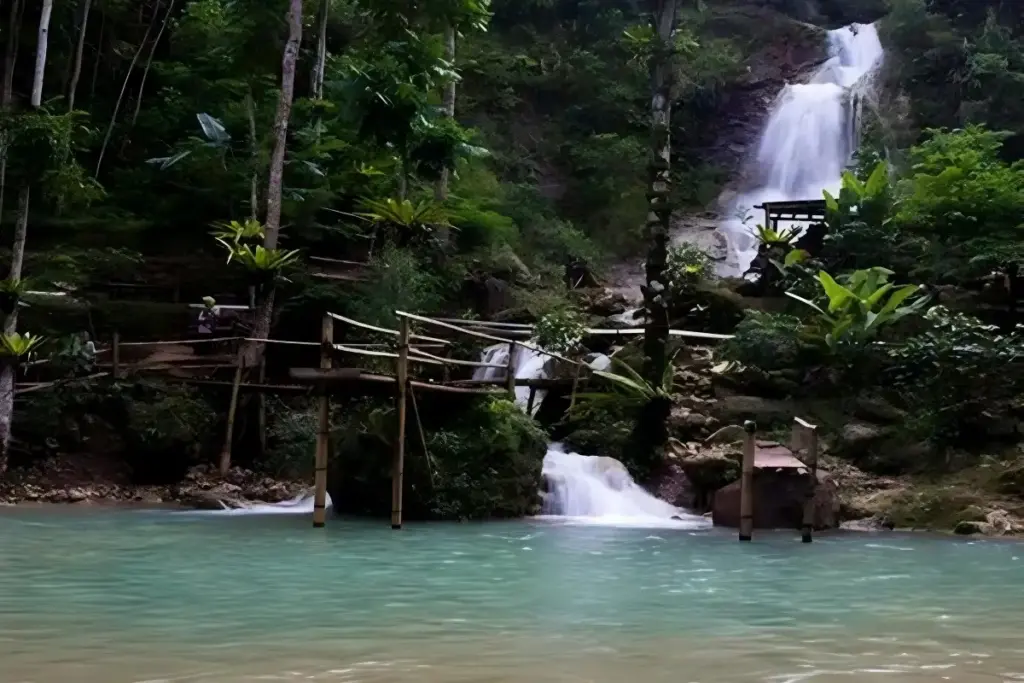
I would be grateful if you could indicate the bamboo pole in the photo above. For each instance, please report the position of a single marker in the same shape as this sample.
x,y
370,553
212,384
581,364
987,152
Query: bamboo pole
x,y
510,372
115,355
811,460
324,434
529,402
747,482
397,467
261,406
225,453
575,385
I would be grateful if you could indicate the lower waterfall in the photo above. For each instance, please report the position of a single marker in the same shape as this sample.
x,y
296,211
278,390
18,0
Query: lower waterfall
x,y
586,489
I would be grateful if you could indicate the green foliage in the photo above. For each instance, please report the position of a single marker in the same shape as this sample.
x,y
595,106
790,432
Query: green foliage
x,y
18,345
175,420
397,280
560,331
629,390
255,258
858,310
769,341
291,439
956,374
487,464
961,194
687,266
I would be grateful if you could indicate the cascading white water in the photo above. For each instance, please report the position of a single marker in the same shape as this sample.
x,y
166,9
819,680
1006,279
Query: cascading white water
x,y
301,504
585,489
809,137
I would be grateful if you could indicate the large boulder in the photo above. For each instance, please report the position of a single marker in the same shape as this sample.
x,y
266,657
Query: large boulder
x,y
779,501
764,411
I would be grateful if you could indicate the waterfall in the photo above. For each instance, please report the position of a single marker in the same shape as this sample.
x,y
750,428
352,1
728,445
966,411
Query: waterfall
x,y
301,504
585,489
808,139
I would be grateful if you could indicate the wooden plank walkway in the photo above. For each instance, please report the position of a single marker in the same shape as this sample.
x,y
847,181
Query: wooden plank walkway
x,y
771,455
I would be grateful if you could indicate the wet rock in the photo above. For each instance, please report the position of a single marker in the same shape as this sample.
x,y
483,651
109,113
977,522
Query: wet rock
x,y
671,484
711,469
857,438
76,495
1002,523
878,410
764,411
968,528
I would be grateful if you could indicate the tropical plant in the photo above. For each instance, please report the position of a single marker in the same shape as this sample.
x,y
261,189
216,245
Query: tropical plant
x,y
560,331
403,220
686,267
18,345
11,291
629,389
860,202
857,310
775,237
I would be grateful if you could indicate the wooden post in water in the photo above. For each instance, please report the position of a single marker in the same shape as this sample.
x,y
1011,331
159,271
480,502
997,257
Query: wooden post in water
x,y
323,436
229,431
747,482
811,460
510,378
115,355
398,464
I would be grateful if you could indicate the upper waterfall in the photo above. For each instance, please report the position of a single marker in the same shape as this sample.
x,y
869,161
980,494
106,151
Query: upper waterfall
x,y
808,139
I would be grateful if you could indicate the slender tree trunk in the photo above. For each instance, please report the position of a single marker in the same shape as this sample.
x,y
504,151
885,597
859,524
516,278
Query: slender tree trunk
x,y
76,70
275,184
7,93
41,46
149,61
254,159
448,108
99,58
18,248
659,208
320,65
120,96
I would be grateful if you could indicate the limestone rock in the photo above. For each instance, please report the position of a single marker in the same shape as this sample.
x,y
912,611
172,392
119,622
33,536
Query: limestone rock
x,y
857,438
878,410
764,411
711,469
968,528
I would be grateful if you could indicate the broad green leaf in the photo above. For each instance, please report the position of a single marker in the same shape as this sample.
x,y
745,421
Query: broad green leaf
x,y
898,297
807,302
796,256
837,294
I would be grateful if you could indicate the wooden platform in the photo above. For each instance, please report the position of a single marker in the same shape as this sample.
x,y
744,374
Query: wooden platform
x,y
774,456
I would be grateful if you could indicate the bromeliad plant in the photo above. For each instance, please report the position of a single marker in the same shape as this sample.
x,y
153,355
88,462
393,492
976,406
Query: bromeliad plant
x,y
865,303
241,242
17,346
403,221
629,388
11,292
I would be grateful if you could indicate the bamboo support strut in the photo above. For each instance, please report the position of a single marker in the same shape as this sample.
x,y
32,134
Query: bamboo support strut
x,y
747,482
225,454
510,372
398,464
324,433
810,433
115,360
175,342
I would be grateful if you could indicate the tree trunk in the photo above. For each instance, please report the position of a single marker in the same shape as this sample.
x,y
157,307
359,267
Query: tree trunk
x,y
76,70
7,92
659,208
41,46
275,184
448,108
149,61
120,96
320,65
18,248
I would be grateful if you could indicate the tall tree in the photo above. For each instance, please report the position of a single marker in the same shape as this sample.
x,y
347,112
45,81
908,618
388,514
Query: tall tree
x,y
659,210
18,248
275,185
76,69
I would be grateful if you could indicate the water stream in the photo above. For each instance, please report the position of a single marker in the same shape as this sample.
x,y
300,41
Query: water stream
x,y
114,596
808,139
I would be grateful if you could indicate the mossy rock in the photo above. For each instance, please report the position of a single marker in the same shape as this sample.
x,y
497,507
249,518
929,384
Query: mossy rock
x,y
941,508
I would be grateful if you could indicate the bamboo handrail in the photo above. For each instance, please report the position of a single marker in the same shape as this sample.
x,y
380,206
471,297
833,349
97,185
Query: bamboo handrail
x,y
481,335
629,331
486,323
166,342
455,361
380,354
384,330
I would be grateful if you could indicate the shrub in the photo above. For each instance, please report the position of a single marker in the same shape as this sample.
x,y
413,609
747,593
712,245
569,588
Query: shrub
x,y
686,267
560,331
956,373
291,438
769,341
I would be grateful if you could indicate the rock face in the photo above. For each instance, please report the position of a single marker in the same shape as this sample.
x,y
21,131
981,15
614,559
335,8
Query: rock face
x,y
779,501
764,411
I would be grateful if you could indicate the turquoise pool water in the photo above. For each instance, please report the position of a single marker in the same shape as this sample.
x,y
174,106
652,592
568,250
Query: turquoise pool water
x,y
116,596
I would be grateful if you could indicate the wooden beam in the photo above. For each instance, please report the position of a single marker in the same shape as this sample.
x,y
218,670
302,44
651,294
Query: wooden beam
x,y
398,463
747,482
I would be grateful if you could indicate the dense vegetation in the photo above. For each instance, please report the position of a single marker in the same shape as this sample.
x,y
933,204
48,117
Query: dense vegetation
x,y
475,154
